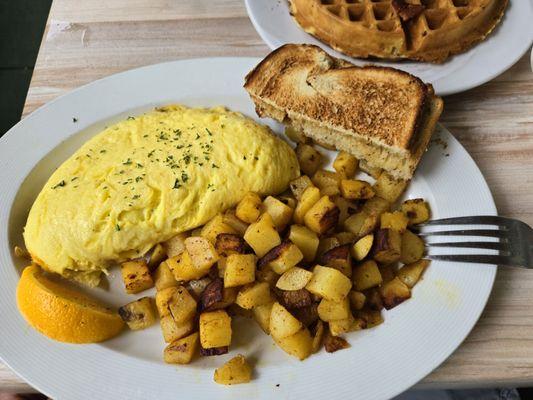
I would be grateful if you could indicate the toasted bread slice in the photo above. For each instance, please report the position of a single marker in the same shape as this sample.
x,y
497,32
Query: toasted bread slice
x,y
383,116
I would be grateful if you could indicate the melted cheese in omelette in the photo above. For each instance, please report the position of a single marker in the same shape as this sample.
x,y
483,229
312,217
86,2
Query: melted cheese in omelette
x,y
143,180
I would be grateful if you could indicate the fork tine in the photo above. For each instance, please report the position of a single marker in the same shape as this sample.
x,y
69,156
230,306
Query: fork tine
x,y
472,245
474,220
467,232
474,258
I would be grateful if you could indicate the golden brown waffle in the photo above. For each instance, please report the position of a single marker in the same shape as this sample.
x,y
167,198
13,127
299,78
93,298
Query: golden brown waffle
x,y
425,30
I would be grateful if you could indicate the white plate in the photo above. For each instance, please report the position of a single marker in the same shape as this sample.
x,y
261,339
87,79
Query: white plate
x,y
415,338
502,48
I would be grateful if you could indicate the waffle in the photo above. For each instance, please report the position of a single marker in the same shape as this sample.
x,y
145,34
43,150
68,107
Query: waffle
x,y
423,30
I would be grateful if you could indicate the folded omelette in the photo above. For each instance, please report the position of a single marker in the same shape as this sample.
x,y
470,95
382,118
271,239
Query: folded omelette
x,y
142,180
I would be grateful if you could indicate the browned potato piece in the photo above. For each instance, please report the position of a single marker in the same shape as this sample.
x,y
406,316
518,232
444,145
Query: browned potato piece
x,y
266,274
181,351
254,294
281,213
394,220
307,315
357,300
389,188
341,326
229,295
235,371
249,208
334,343
308,199
215,329
362,247
282,322
262,236
176,244
366,275
230,220
306,240
211,295
325,244
136,276
294,299
372,317
202,252
138,314
356,189
288,199
294,279
373,299
262,316
173,331
346,208
345,164
197,286
412,248
394,292
411,273
229,243
299,185
214,227
322,216
345,237
334,310
329,283
296,135
367,219
338,258
417,210
240,270
309,158
387,246
318,337
327,181
181,305
281,258
299,345
387,272
213,351
164,277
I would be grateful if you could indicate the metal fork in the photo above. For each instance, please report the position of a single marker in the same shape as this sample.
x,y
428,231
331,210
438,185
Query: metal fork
x,y
515,244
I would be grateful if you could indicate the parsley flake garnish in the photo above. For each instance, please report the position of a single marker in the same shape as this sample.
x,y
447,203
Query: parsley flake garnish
x,y
177,184
60,184
117,227
127,162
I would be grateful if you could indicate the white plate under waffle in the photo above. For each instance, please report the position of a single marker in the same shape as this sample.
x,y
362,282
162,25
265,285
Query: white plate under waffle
x,y
501,49
416,337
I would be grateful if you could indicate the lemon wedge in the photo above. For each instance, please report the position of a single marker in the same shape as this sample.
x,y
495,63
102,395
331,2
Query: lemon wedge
x,y
62,313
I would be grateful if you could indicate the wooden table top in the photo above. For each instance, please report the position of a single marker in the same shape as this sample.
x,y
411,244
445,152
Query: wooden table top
x,y
90,39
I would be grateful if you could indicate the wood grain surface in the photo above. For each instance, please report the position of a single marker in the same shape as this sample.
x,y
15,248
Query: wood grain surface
x,y
88,40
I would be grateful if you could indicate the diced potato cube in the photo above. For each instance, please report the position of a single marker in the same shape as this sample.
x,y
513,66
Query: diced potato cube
x,y
136,276
345,164
299,185
240,270
387,272
173,331
281,213
182,305
215,329
230,219
318,337
394,292
366,275
333,310
362,247
282,257
323,179
296,135
341,326
412,248
334,343
387,246
249,208
306,240
365,221
329,283
389,188
235,371
345,238
299,345
162,299
230,243
417,210
262,236
297,300
410,274
138,314
322,216
309,197
372,317
355,189
394,220
325,244
214,227
176,244
346,208
309,158
282,322
164,277
288,199
294,279
357,300
182,350
262,316
183,268
202,252
255,294
373,299
157,255
338,258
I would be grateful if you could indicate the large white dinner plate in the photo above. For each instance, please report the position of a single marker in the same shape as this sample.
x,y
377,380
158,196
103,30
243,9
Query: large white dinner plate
x,y
483,62
382,362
